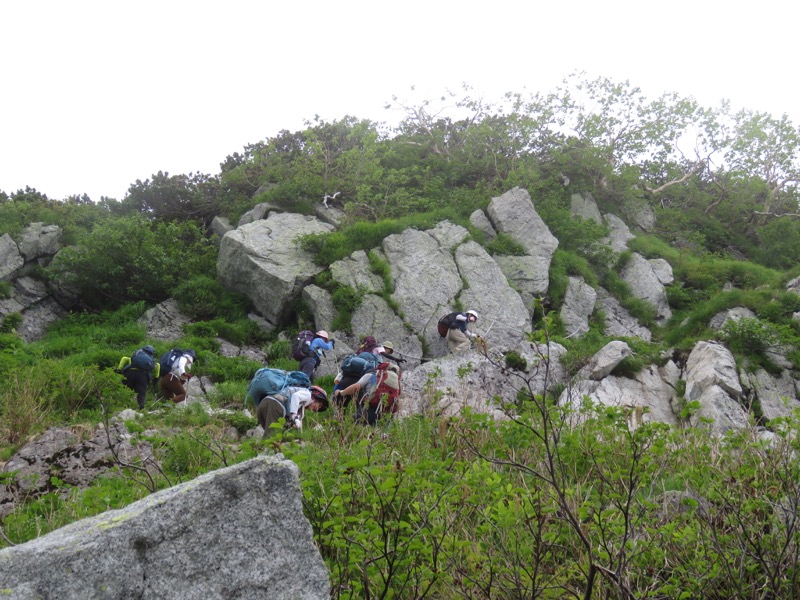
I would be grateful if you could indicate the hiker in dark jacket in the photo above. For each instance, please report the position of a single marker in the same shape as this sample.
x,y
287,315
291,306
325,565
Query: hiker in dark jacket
x,y
319,344
138,374
173,383
459,337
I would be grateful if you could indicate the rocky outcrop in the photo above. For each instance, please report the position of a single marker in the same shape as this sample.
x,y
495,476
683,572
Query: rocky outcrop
x,y
578,306
513,214
263,261
449,384
645,284
173,544
712,380
583,205
619,322
61,455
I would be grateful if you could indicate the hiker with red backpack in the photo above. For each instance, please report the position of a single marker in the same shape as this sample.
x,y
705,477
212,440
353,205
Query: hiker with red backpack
x,y
308,349
175,366
375,392
138,369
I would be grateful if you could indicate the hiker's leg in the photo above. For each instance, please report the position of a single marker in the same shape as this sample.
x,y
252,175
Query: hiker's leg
x,y
172,388
269,410
457,340
307,366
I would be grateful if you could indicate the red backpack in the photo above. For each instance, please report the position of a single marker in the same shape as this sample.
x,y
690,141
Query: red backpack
x,y
387,387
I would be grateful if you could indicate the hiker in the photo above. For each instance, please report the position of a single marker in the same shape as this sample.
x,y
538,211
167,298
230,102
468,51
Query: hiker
x,y
374,392
459,337
316,349
291,404
368,344
386,350
172,382
138,369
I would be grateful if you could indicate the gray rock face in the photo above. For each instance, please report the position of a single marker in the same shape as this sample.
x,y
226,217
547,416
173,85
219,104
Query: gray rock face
x,y
426,279
777,395
320,303
262,261
513,214
480,221
579,301
732,314
164,321
10,258
663,270
354,272
711,379
469,379
794,285
222,535
60,453
619,234
583,205
38,317
375,317
505,319
619,322
606,360
40,240
220,226
528,274
645,284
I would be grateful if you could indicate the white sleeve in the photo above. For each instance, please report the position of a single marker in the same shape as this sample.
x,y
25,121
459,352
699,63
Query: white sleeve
x,y
301,397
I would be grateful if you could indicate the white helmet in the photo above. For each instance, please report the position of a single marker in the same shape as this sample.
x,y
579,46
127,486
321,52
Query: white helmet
x,y
473,313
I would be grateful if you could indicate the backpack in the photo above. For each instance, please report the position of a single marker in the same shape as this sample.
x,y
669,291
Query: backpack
x,y
368,344
168,360
387,387
142,361
446,323
357,365
268,382
301,346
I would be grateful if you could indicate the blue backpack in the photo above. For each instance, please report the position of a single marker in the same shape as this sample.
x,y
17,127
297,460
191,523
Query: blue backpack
x,y
142,361
268,382
356,365
168,359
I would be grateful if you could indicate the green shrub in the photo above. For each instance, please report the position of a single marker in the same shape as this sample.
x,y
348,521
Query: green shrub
x,y
505,245
203,298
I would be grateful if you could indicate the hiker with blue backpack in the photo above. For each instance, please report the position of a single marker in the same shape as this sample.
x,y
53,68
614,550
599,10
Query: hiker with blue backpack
x,y
308,349
138,369
175,367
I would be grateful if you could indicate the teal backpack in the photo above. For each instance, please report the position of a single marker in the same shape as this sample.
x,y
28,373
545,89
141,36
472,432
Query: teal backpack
x,y
268,382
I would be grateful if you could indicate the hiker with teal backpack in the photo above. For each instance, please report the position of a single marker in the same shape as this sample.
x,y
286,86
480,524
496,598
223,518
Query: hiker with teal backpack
x,y
308,349
175,366
138,369
278,394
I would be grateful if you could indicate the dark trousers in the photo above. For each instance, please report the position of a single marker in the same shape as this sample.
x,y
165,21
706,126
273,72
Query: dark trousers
x,y
137,380
268,411
308,365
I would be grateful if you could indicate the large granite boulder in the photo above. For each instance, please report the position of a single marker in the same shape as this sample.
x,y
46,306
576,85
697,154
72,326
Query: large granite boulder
x,y
645,284
513,214
712,380
11,260
264,261
235,533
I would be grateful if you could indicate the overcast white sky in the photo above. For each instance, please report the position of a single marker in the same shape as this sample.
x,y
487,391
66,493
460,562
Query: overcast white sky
x,y
97,94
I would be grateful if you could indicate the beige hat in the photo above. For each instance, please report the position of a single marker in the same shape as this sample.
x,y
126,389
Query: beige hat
x,y
322,333
388,346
